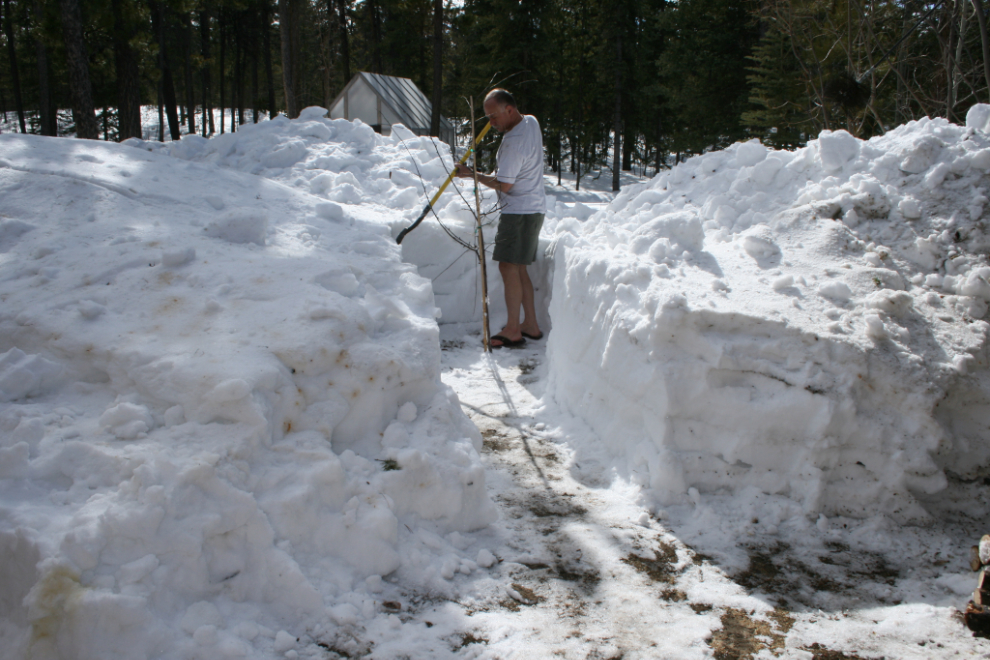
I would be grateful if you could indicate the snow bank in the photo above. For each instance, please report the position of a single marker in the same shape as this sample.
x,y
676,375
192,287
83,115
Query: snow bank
x,y
386,180
221,417
808,323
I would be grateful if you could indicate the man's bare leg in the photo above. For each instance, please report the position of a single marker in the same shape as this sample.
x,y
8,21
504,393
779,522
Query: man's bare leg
x,y
529,324
513,284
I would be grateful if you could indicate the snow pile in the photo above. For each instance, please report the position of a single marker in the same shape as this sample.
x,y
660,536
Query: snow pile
x,y
804,323
381,179
221,417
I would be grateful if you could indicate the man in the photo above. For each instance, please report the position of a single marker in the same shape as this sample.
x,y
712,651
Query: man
x,y
518,179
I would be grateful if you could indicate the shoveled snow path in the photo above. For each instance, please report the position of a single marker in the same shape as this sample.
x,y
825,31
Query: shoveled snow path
x,y
585,571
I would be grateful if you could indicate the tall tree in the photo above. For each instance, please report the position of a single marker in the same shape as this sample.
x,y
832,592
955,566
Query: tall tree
x,y
345,48
288,15
46,108
437,66
204,32
188,91
8,25
703,71
267,41
167,84
77,59
128,74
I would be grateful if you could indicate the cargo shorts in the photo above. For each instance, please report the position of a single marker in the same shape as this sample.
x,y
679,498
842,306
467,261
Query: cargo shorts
x,y
517,238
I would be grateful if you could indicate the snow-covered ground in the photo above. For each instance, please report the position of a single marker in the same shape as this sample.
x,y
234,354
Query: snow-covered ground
x,y
226,430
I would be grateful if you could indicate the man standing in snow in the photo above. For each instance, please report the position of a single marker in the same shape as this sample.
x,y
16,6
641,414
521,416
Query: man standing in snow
x,y
518,179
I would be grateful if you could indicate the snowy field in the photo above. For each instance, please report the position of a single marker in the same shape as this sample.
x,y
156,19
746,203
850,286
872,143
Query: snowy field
x,y
229,426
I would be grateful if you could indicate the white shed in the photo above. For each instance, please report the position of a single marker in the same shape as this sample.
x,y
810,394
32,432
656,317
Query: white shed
x,y
381,101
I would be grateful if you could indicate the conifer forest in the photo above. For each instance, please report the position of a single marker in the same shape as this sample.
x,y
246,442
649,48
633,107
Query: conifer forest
x,y
650,80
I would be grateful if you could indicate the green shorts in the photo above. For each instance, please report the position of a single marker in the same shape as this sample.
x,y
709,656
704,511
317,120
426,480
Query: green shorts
x,y
517,238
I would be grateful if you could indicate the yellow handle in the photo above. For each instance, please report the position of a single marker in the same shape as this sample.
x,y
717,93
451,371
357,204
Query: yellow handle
x,y
464,158
402,234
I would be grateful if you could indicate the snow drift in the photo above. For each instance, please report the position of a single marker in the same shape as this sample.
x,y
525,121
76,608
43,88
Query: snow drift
x,y
384,180
808,323
219,403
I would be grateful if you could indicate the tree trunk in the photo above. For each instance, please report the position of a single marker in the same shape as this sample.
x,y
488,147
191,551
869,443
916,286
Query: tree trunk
x,y
659,138
128,75
345,49
161,114
376,36
617,124
188,86
950,63
204,32
254,82
77,60
168,85
326,57
266,28
437,66
46,110
287,17
978,6
957,74
627,149
8,24
222,73
239,56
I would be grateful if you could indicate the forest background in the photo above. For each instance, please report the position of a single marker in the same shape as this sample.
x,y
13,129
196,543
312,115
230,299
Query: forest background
x,y
642,83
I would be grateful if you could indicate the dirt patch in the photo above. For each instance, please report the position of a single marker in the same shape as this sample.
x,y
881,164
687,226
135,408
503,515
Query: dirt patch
x,y
859,565
467,639
547,508
741,637
588,579
661,569
819,652
526,595
494,441
774,570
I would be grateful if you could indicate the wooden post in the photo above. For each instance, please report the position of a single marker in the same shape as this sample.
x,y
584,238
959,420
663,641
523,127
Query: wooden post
x,y
485,331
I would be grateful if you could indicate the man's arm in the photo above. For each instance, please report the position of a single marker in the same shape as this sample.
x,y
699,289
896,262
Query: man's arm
x,y
465,172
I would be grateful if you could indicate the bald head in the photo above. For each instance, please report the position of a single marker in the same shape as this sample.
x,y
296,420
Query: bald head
x,y
501,110
501,97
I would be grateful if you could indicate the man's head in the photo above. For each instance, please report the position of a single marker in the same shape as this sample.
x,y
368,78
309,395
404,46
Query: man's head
x,y
501,110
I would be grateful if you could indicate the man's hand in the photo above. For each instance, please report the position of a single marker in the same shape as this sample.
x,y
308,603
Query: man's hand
x,y
464,172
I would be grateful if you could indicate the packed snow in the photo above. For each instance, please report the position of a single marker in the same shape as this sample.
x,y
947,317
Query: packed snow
x,y
224,433
806,323
222,413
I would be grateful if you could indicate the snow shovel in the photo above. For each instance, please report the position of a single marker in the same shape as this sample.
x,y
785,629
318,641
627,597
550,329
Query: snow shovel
x,y
422,216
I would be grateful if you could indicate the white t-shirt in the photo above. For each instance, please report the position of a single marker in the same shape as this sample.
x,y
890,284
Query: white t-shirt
x,y
520,162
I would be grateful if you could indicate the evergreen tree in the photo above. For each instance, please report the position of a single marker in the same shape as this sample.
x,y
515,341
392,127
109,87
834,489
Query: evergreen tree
x,y
703,71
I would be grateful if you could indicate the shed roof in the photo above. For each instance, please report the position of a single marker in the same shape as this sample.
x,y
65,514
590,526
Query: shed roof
x,y
403,97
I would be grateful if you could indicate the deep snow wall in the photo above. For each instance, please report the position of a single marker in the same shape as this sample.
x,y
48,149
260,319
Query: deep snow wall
x,y
220,403
807,323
